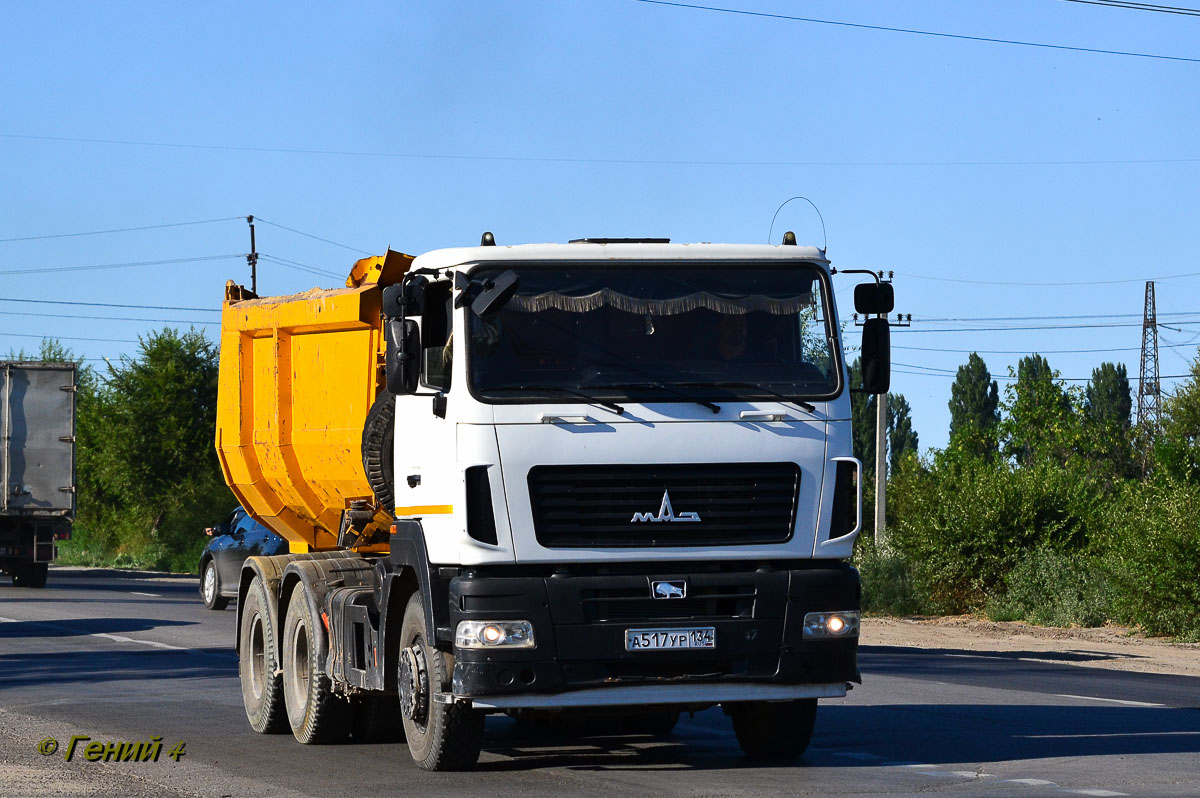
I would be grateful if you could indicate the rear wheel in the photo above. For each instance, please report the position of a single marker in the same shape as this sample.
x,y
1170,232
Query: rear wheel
x,y
315,713
775,730
440,736
30,574
258,663
210,587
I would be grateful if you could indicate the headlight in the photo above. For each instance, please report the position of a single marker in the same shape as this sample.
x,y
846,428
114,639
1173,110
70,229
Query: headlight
x,y
489,634
831,624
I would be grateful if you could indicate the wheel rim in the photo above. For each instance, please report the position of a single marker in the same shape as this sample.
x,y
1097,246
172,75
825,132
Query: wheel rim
x,y
210,583
258,657
297,670
413,684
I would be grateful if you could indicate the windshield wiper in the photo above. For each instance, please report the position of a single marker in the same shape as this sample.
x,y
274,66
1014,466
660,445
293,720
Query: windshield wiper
x,y
756,387
607,405
661,387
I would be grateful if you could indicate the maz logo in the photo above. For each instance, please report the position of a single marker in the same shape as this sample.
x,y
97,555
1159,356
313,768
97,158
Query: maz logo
x,y
665,514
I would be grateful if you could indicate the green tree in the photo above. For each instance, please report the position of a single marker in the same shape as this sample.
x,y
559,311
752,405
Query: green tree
x,y
148,473
1040,420
1178,447
974,408
902,438
1107,404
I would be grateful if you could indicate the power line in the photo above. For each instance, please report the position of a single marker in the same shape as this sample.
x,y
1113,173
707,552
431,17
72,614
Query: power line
x,y
1052,318
48,269
69,338
302,267
1054,284
102,318
119,230
915,32
1040,351
936,372
1188,12
108,305
314,237
591,161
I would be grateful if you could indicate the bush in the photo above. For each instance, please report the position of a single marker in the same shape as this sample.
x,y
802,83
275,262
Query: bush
x,y
887,581
1054,588
964,522
1153,556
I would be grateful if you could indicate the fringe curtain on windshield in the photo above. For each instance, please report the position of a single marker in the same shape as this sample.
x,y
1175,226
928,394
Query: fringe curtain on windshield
x,y
606,297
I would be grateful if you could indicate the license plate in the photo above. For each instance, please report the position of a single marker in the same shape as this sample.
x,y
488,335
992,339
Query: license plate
x,y
668,639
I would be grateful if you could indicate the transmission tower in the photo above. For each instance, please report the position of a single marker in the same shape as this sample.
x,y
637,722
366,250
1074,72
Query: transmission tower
x,y
1148,387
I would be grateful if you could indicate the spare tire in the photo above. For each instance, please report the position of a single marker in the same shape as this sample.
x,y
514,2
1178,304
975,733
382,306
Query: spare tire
x,y
379,433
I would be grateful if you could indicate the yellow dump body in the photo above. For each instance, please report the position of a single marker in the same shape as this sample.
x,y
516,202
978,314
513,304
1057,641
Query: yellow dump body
x,y
298,375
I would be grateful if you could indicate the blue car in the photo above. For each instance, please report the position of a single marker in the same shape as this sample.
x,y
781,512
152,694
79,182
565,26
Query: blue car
x,y
233,540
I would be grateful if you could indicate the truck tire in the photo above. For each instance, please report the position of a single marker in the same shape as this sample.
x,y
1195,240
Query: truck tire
x,y
210,587
379,432
258,664
440,736
315,713
30,574
377,720
776,730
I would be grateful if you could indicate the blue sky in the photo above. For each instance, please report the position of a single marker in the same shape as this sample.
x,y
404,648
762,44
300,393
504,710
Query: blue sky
x,y
418,126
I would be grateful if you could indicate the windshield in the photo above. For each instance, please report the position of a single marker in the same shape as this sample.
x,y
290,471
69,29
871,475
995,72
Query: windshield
x,y
657,333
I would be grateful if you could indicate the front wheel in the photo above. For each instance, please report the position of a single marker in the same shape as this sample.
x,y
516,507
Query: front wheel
x,y
776,730
440,736
210,588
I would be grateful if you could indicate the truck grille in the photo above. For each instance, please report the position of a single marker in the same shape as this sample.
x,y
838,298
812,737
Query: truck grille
x,y
595,505
703,603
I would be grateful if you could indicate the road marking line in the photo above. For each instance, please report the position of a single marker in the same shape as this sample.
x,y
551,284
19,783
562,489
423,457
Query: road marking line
x,y
1031,782
123,639
971,774
1107,734
1097,792
1121,701
977,656
135,593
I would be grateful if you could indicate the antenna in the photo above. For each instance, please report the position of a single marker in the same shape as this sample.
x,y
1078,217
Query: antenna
x,y
824,235
1148,385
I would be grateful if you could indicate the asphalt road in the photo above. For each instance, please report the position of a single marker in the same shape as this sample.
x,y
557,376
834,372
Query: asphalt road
x,y
117,658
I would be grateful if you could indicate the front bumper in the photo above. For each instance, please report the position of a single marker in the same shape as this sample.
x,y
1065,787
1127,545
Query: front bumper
x,y
580,618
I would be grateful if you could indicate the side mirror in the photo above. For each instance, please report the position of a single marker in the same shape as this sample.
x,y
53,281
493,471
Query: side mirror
x,y
872,298
876,356
403,356
495,294
407,297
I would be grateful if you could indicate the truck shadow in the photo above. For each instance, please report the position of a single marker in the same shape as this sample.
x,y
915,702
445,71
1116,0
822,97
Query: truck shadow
x,y
885,735
92,667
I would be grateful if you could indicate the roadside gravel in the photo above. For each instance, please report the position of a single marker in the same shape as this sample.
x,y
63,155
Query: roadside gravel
x,y
1112,647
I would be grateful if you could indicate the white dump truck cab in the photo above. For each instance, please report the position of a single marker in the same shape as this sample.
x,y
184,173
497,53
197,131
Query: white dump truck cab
x,y
628,466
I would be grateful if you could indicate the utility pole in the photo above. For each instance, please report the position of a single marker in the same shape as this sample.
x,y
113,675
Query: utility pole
x,y
1148,384
252,258
880,470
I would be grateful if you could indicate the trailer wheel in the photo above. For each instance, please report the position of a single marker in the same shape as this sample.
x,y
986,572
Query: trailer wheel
x,y
30,574
210,587
776,730
440,736
379,432
315,713
258,664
